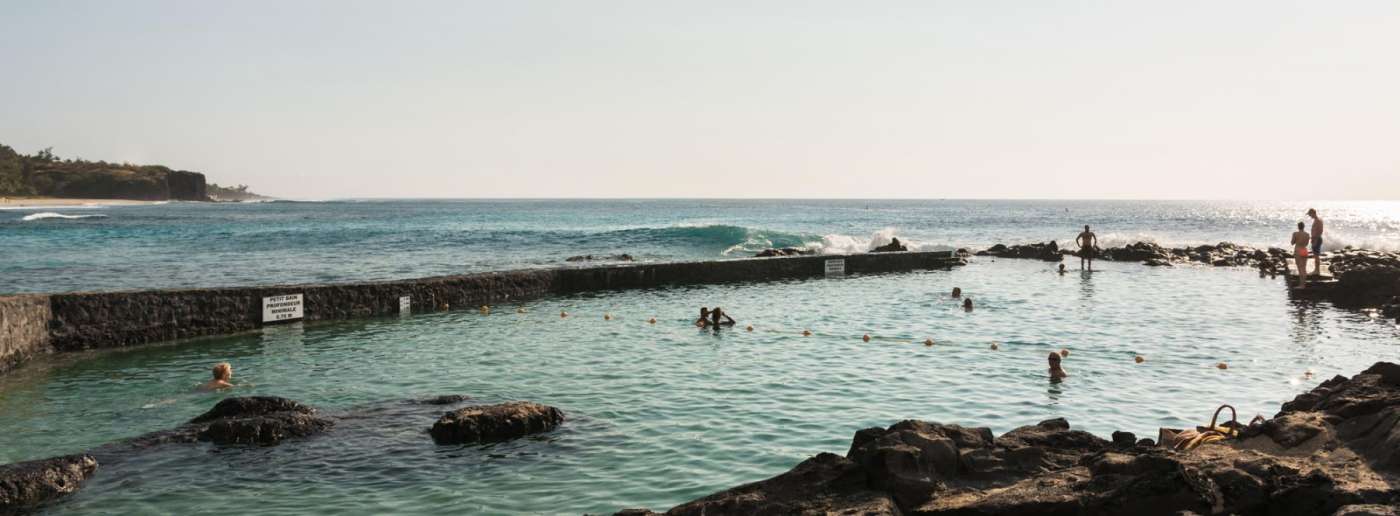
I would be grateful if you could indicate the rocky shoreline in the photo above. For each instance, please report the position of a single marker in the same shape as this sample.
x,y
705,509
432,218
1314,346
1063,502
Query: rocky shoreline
x,y
270,421
1333,450
1364,279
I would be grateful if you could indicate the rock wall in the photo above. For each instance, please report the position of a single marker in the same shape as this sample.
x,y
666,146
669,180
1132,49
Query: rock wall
x,y
24,329
184,185
79,321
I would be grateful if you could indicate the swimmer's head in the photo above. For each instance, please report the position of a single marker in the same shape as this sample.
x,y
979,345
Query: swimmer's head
x,y
1054,360
223,371
1312,213
704,311
957,291
967,304
1062,266
1300,226
1086,227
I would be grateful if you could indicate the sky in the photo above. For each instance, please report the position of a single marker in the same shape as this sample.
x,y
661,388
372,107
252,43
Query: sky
x,y
653,98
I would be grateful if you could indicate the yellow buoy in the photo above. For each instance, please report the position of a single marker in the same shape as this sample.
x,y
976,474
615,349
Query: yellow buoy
x,y
928,342
866,337
806,333
651,321
994,346
1222,365
1139,359
1064,352
749,328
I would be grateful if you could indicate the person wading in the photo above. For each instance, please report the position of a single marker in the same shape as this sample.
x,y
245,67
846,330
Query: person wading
x,y
1088,243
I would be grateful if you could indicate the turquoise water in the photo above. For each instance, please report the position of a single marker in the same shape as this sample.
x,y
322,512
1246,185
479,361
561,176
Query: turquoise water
x,y
660,414
203,245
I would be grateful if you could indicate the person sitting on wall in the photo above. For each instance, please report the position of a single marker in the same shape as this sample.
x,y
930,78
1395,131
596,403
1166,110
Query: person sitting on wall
x,y
719,318
223,372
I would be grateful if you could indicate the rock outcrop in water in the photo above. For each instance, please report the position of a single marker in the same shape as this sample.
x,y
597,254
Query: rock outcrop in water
x,y
25,486
261,420
489,423
786,251
624,257
266,421
1334,450
1049,251
894,246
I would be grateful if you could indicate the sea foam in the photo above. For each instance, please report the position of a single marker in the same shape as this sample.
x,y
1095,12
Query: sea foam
x,y
51,215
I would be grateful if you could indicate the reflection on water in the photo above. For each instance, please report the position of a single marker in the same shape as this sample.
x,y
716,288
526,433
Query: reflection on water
x,y
662,413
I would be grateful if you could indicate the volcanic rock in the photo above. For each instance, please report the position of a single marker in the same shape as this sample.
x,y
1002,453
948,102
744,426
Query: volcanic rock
x,y
501,422
24,486
1334,450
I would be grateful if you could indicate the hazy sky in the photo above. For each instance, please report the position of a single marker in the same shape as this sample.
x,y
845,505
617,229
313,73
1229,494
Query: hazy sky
x,y
924,99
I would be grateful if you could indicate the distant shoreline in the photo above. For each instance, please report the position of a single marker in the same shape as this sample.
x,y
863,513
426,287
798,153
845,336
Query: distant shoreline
x,y
62,202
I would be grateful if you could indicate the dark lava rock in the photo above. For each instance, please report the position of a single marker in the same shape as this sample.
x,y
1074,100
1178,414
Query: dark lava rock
x,y
1331,451
446,399
786,251
501,422
893,247
261,420
624,257
24,486
1049,251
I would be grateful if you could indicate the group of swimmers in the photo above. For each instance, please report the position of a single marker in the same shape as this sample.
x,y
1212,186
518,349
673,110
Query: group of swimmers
x,y
715,318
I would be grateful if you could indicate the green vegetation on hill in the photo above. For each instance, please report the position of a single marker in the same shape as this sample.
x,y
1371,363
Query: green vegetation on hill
x,y
233,193
45,174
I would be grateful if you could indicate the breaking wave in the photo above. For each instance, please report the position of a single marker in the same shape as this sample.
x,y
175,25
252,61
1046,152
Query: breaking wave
x,y
51,215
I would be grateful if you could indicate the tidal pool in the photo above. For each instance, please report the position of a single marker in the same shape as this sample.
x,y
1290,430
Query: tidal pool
x,y
662,413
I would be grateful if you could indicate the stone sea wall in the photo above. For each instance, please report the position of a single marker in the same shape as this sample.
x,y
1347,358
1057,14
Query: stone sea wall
x,y
24,331
80,321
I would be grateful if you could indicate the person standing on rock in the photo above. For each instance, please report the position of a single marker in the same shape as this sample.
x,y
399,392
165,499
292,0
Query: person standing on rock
x,y
1088,243
1300,254
1316,242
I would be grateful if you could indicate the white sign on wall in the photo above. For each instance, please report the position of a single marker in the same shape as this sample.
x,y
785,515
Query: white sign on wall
x,y
282,308
836,267
405,305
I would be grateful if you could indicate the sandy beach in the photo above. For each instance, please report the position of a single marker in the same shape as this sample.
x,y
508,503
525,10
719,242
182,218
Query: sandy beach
x,y
55,202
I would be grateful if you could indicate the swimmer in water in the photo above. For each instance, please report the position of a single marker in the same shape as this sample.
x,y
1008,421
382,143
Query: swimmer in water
x,y
957,292
704,319
967,304
1062,269
719,318
1057,373
223,372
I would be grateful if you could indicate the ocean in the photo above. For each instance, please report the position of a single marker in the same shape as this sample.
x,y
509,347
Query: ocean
x,y
96,248
657,414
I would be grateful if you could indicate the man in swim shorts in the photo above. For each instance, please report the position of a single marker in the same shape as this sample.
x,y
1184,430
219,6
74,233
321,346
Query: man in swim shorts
x,y
1316,241
1088,243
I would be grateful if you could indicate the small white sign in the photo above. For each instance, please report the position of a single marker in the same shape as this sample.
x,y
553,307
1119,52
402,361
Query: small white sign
x,y
405,305
282,308
836,267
